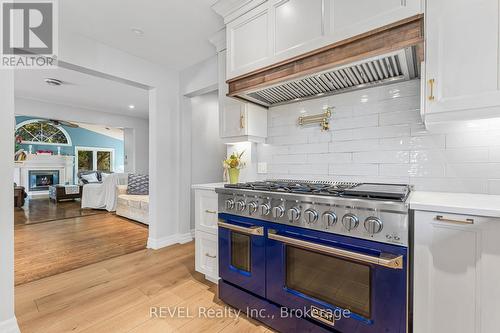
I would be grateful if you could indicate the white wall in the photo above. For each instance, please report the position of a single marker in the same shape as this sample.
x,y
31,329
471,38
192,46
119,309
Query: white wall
x,y
135,139
207,149
377,135
7,124
196,80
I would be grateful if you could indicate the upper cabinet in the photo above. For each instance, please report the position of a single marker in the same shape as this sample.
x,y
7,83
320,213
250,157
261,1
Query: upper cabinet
x,y
462,72
239,121
278,30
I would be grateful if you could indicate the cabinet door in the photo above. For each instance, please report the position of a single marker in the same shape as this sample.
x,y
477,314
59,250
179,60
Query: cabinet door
x,y
249,41
231,112
456,265
206,254
206,206
349,18
298,25
462,59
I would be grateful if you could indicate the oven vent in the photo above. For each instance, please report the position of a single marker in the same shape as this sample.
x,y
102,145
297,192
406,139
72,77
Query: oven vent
x,y
388,68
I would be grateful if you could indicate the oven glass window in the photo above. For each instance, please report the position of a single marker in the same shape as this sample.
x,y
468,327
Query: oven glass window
x,y
335,281
240,251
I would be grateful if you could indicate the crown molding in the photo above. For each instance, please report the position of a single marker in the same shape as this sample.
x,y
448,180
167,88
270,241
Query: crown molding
x,y
219,40
231,9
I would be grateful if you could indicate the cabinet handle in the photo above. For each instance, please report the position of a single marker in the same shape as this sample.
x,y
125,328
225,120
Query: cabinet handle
x,y
242,121
210,256
210,211
444,219
431,86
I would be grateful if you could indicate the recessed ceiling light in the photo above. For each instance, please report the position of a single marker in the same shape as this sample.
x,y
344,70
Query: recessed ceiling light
x,y
53,82
131,106
137,31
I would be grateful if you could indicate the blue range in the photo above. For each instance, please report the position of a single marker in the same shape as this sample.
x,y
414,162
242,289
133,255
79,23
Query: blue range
x,y
316,256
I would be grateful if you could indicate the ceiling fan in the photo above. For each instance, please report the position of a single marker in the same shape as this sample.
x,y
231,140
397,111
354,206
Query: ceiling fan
x,y
56,122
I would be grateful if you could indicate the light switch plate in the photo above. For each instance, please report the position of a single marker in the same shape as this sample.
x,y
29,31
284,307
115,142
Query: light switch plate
x,y
262,167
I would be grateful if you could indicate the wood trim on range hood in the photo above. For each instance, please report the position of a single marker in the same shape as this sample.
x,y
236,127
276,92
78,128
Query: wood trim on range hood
x,y
393,37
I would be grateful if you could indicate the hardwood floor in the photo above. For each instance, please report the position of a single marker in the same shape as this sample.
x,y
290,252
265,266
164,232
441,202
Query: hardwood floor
x,y
44,210
116,295
50,248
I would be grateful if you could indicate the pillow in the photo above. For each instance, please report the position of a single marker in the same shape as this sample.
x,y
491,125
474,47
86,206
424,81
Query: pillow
x,y
138,184
90,178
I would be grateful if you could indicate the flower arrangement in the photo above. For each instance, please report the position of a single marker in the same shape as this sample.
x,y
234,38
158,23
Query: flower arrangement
x,y
232,165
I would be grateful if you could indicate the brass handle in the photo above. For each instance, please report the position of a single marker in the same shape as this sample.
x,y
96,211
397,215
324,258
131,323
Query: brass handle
x,y
431,86
210,256
394,262
210,211
242,121
257,231
444,219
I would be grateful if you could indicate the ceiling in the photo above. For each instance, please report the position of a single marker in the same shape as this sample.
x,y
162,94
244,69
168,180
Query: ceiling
x,y
82,90
115,133
175,32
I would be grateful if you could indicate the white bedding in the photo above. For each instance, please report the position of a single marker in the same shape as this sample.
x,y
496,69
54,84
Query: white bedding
x,y
103,195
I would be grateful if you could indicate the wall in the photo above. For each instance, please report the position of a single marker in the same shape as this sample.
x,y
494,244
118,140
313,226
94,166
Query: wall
x,y
7,320
194,81
83,138
138,153
207,150
377,136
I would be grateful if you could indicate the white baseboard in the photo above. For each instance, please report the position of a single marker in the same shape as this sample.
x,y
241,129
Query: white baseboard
x,y
9,326
193,233
156,244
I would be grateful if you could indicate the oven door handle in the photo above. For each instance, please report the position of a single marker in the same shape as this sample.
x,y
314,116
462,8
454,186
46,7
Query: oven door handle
x,y
255,231
394,262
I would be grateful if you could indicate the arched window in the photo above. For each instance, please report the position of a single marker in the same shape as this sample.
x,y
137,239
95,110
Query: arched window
x,y
40,132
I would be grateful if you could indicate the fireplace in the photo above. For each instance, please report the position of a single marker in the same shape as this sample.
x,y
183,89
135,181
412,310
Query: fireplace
x,y
40,180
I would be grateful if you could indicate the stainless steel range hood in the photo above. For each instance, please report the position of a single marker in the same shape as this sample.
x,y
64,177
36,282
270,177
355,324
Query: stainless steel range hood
x,y
384,55
385,69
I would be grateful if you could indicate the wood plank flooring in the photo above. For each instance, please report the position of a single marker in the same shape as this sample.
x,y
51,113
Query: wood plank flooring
x,y
51,248
43,210
116,295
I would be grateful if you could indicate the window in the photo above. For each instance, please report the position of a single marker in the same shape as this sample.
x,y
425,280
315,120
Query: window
x,y
39,131
91,158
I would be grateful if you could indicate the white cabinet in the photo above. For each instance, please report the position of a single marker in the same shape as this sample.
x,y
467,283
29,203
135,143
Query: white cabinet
x,y
206,255
349,18
206,243
462,60
277,30
239,121
249,40
456,273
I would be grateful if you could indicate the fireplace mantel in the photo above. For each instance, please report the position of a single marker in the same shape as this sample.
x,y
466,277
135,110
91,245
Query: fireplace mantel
x,y
33,162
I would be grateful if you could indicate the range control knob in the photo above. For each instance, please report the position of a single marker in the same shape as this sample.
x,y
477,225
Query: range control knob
x,y
293,214
329,218
373,225
278,212
240,205
229,204
264,209
311,216
252,207
350,221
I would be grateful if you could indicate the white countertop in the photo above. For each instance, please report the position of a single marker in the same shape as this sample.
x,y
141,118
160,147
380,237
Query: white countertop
x,y
211,186
456,203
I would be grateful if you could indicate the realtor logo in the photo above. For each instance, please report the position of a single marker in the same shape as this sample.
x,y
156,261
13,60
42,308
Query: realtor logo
x,y
29,33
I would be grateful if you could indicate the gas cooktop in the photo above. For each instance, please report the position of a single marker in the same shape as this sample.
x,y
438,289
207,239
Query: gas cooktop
x,y
394,192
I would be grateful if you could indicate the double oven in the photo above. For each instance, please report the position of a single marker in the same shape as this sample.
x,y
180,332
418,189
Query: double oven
x,y
334,282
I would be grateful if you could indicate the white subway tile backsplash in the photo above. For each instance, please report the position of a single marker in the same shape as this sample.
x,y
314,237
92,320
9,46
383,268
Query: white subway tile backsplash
x,y
381,157
309,148
377,135
308,169
354,169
